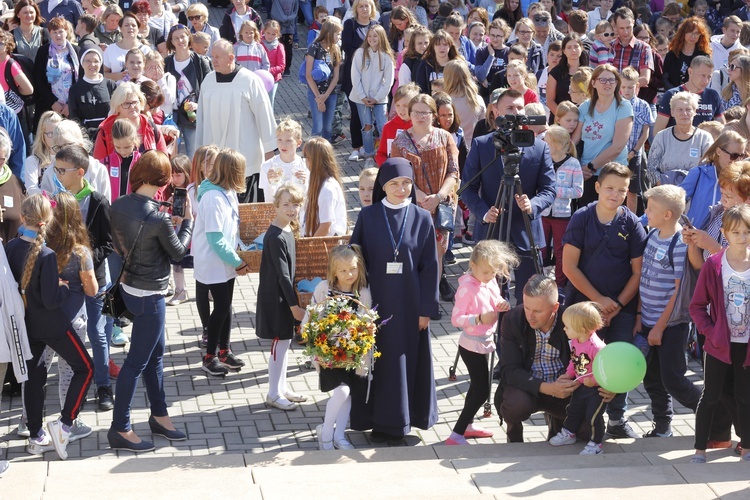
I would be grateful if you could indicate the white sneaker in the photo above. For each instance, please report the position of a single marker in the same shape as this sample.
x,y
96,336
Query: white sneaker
x,y
4,466
342,444
79,430
60,437
322,445
592,449
354,156
23,430
40,445
563,438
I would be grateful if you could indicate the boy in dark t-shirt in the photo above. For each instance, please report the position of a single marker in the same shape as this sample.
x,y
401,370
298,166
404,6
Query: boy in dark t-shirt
x,y
602,257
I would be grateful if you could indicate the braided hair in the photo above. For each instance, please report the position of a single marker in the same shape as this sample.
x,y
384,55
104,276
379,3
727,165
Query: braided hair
x,y
36,212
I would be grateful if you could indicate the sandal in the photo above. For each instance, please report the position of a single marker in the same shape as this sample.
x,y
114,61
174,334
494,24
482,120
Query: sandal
x,y
477,432
323,445
698,459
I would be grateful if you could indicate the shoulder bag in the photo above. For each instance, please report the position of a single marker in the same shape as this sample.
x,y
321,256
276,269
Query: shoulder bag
x,y
113,302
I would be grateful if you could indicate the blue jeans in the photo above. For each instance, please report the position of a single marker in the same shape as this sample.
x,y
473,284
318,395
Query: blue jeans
x,y
307,10
99,338
322,121
620,329
145,357
374,116
187,145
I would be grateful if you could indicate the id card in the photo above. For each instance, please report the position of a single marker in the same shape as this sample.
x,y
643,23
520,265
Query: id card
x,y
394,268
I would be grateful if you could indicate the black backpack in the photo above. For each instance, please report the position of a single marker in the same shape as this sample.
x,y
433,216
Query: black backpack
x,y
27,66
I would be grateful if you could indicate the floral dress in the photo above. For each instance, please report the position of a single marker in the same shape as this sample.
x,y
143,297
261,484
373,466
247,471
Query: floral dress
x,y
434,161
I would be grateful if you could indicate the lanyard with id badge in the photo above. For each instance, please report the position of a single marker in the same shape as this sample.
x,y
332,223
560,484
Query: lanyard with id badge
x,y
395,267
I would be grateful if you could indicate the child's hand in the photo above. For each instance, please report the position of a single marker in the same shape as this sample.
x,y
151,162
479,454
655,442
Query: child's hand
x,y
589,381
655,336
502,306
301,175
298,313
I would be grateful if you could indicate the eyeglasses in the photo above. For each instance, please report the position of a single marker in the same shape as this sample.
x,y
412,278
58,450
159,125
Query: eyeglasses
x,y
607,81
130,104
733,67
195,18
733,156
61,171
421,113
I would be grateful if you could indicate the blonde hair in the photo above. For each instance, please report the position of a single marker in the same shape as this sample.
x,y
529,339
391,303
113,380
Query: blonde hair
x,y
36,211
383,47
529,80
289,126
564,108
408,91
199,37
373,8
331,26
67,233
200,159
39,149
457,82
229,171
346,252
560,136
670,197
581,79
154,56
500,256
584,317
197,9
713,127
629,73
251,24
71,132
321,160
296,195
121,94
368,173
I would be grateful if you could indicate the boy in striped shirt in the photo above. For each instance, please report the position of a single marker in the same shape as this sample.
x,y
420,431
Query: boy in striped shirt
x,y
663,262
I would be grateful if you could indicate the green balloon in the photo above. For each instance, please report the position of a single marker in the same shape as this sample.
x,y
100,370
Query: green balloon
x,y
619,367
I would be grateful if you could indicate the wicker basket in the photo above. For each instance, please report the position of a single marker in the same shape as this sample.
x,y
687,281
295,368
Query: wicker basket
x,y
312,261
254,221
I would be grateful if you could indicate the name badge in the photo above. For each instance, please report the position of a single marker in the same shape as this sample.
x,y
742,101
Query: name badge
x,y
394,268
693,152
114,172
8,201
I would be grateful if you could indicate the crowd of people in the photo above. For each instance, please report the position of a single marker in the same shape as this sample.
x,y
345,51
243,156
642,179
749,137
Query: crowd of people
x,y
116,115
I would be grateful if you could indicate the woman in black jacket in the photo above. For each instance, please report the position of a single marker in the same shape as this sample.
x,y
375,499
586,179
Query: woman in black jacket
x,y
189,69
88,100
146,240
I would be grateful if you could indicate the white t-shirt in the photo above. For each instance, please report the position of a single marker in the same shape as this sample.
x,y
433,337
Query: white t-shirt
x,y
287,174
114,56
218,211
736,299
332,207
183,84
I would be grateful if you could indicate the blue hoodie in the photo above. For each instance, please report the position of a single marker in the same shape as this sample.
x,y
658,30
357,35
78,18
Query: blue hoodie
x,y
702,190
216,240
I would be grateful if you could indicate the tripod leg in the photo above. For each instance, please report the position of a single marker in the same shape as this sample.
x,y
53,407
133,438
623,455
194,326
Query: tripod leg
x,y
535,253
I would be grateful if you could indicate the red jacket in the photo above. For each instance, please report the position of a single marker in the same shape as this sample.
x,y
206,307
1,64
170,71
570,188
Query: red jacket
x,y
151,138
712,322
390,129
277,58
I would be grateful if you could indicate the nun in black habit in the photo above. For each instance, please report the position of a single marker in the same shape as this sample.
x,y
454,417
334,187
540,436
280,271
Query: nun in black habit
x,y
398,242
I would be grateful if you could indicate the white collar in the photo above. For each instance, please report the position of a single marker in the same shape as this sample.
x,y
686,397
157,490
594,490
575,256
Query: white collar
x,y
403,204
52,4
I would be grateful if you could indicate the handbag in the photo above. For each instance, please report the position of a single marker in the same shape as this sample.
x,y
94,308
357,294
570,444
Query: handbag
x,y
113,301
445,218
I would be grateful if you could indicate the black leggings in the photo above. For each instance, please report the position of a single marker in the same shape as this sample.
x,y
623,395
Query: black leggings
x,y
479,387
219,322
70,348
714,373
288,42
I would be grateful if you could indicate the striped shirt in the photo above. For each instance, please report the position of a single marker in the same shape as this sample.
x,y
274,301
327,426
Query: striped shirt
x,y
636,54
547,364
642,116
658,275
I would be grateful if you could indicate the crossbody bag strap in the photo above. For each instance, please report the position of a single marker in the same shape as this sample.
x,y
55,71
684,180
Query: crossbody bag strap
x,y
421,160
132,249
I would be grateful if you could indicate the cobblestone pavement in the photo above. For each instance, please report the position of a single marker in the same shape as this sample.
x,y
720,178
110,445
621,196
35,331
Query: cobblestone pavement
x,y
228,415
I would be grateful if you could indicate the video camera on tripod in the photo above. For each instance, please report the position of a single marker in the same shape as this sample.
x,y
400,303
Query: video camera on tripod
x,y
509,135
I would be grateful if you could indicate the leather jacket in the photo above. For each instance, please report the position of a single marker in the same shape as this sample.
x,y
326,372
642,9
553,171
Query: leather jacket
x,y
148,267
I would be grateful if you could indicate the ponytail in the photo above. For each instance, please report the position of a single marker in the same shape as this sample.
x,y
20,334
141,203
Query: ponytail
x,y
36,211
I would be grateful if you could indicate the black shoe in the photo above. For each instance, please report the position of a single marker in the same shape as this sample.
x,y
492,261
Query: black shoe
x,y
124,322
338,139
228,359
159,430
287,72
621,430
204,339
378,437
213,366
446,290
105,397
117,442
660,431
449,258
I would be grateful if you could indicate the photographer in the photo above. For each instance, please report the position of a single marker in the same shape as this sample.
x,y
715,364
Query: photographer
x,y
537,182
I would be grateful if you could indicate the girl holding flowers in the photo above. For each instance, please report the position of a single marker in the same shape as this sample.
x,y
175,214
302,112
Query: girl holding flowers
x,y
346,277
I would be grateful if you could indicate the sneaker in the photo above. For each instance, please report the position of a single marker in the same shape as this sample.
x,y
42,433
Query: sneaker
x,y
22,430
338,139
204,339
105,397
659,431
213,366
354,156
563,438
59,434
119,339
179,298
621,430
446,291
40,445
370,163
228,359
4,466
468,239
450,259
458,242
79,430
114,370
592,449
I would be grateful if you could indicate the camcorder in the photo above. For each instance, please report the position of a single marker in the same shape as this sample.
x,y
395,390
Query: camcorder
x,y
509,134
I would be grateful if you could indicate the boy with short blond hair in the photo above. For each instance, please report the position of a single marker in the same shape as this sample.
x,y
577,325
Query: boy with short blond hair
x,y
287,166
200,42
643,118
664,259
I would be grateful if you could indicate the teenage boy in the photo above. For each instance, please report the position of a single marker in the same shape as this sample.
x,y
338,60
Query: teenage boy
x,y
404,95
71,165
493,58
602,257
663,263
643,118
729,40
85,32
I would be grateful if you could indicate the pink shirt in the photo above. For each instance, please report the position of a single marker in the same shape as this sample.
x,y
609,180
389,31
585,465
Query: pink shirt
x,y
582,357
474,297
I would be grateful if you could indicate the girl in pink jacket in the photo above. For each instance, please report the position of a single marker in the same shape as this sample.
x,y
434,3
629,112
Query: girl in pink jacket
x,y
276,54
478,301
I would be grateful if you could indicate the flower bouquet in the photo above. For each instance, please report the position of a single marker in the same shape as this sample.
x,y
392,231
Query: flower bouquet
x,y
339,335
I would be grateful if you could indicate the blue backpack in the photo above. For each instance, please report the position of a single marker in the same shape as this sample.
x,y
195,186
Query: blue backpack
x,y
320,71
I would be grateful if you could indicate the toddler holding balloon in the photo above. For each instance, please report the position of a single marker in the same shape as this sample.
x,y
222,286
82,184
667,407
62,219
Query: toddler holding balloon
x,y
581,321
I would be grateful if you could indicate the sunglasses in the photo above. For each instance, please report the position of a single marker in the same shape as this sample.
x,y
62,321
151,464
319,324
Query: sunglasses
x,y
733,67
733,156
608,34
195,18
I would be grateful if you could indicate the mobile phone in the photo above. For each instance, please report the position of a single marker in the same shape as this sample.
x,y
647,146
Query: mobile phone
x,y
685,222
178,202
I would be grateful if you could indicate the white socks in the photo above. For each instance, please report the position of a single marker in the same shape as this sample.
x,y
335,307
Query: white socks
x,y
277,370
337,410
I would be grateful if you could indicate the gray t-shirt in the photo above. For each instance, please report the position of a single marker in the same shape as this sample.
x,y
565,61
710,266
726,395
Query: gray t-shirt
x,y
670,153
